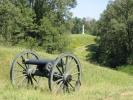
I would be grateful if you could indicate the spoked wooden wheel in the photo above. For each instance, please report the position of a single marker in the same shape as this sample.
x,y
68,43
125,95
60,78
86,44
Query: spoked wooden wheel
x,y
65,75
21,74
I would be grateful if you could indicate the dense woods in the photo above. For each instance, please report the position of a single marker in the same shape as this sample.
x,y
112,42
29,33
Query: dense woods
x,y
115,35
43,23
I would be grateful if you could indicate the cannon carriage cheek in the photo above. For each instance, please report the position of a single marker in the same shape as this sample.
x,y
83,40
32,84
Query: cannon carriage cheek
x,y
63,73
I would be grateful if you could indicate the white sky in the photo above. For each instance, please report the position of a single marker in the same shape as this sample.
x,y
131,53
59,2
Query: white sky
x,y
89,8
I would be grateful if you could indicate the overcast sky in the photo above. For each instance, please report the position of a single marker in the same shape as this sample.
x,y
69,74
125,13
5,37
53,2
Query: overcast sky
x,y
89,8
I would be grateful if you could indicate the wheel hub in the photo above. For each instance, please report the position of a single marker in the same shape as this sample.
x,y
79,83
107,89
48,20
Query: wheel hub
x,y
30,70
67,78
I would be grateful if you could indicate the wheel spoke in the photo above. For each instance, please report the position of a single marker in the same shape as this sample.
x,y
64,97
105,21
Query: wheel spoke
x,y
22,57
33,56
35,79
19,70
75,73
58,86
72,69
58,75
62,65
61,89
20,76
70,64
31,80
27,55
71,86
74,80
20,65
66,87
26,66
21,81
66,63
57,81
59,69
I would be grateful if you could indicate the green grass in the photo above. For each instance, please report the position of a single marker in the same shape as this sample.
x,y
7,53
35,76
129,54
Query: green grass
x,y
79,40
80,43
98,83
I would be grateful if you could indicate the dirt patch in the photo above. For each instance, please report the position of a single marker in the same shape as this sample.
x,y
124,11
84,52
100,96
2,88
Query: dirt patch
x,y
127,93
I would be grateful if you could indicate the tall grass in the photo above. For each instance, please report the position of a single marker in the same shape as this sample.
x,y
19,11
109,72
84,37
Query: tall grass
x,y
98,83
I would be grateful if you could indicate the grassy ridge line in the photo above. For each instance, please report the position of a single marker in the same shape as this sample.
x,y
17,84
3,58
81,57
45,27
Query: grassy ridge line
x,y
80,42
98,83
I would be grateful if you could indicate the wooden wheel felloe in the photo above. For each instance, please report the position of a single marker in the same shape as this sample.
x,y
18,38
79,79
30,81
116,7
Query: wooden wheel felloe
x,y
21,74
65,75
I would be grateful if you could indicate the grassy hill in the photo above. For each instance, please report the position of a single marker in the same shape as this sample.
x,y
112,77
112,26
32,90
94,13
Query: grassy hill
x,y
98,83
79,42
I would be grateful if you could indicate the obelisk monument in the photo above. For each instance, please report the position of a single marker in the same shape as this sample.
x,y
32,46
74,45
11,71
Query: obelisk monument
x,y
83,29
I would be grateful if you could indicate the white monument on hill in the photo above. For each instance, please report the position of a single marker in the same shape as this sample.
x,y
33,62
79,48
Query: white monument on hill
x,y
83,29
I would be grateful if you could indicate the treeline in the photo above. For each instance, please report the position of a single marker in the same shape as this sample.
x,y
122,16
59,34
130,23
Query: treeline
x,y
88,25
114,44
45,24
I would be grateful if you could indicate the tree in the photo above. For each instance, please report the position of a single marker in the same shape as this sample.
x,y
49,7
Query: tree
x,y
9,16
54,24
48,22
115,31
90,24
77,28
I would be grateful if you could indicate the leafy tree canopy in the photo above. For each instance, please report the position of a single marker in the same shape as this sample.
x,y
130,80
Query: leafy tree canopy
x,y
45,22
115,34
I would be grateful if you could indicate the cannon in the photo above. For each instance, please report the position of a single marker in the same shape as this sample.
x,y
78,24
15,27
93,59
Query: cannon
x,y
63,73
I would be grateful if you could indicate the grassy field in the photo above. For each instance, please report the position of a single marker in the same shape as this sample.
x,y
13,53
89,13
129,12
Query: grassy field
x,y
98,83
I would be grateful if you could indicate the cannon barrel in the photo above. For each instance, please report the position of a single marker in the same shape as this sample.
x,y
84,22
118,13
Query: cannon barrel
x,y
40,61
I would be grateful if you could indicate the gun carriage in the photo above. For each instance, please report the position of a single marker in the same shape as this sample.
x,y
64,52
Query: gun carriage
x,y
63,73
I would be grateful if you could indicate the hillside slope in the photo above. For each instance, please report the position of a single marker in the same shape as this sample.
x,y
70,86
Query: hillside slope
x,y
98,83
80,42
